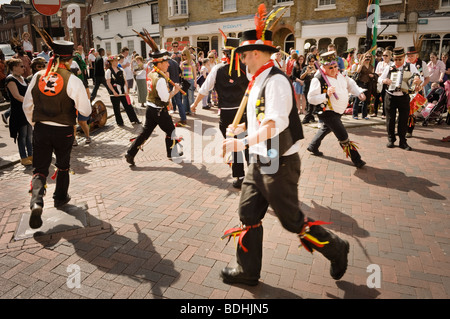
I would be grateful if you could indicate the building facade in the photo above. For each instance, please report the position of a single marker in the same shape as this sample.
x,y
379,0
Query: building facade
x,y
113,22
317,22
18,17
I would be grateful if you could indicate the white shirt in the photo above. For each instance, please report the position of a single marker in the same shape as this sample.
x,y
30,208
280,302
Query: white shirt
x,y
91,58
27,46
278,105
343,84
381,66
75,90
412,69
210,81
127,70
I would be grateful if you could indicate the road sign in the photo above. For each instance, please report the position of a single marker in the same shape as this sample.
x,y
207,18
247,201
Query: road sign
x,y
47,7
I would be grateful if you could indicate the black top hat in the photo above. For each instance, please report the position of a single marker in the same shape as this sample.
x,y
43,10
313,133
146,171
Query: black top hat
x,y
250,41
411,50
231,43
62,48
159,56
398,52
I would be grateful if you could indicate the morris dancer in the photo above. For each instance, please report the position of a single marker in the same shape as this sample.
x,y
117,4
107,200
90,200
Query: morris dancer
x,y
158,99
230,88
50,104
398,98
329,109
271,109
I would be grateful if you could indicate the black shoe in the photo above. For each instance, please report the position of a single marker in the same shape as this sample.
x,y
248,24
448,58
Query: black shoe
x,y
360,164
235,276
206,107
238,183
339,266
406,147
5,120
61,202
129,159
35,218
314,151
305,122
390,145
137,122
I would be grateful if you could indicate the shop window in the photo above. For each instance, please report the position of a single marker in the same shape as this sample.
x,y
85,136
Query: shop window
x,y
445,44
323,44
341,45
430,43
289,43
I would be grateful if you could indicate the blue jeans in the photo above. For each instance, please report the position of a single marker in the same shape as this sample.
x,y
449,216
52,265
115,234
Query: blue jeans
x,y
177,101
189,98
360,104
25,141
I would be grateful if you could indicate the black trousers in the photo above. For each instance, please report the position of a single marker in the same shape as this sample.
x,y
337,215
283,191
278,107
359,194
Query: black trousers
x,y
46,140
226,118
116,101
154,117
332,123
280,191
97,82
394,104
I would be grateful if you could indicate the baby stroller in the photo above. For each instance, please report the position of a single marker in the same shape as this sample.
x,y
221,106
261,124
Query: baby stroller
x,y
436,107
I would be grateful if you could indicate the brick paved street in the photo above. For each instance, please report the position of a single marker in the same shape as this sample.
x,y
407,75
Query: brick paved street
x,y
153,231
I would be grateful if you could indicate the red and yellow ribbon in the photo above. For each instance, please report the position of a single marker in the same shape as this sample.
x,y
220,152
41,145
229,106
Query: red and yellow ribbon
x,y
239,231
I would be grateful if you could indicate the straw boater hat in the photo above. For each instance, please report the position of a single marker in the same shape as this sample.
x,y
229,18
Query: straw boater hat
x,y
261,37
156,55
398,52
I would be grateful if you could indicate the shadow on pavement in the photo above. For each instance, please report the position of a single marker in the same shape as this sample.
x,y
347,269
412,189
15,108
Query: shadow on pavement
x,y
117,254
352,291
398,180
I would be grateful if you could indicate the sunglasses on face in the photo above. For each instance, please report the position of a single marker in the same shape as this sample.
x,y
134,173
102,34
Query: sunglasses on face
x,y
332,67
385,55
398,59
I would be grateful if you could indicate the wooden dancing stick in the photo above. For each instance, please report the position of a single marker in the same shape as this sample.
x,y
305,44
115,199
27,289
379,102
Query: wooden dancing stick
x,y
240,112
238,116
167,78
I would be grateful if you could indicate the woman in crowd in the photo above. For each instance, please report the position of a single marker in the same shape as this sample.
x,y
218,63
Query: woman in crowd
x,y
141,76
437,71
188,73
299,64
118,90
308,73
27,45
19,128
367,79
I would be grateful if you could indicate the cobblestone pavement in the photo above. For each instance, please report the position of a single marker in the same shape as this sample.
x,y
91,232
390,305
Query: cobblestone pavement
x,y
153,231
